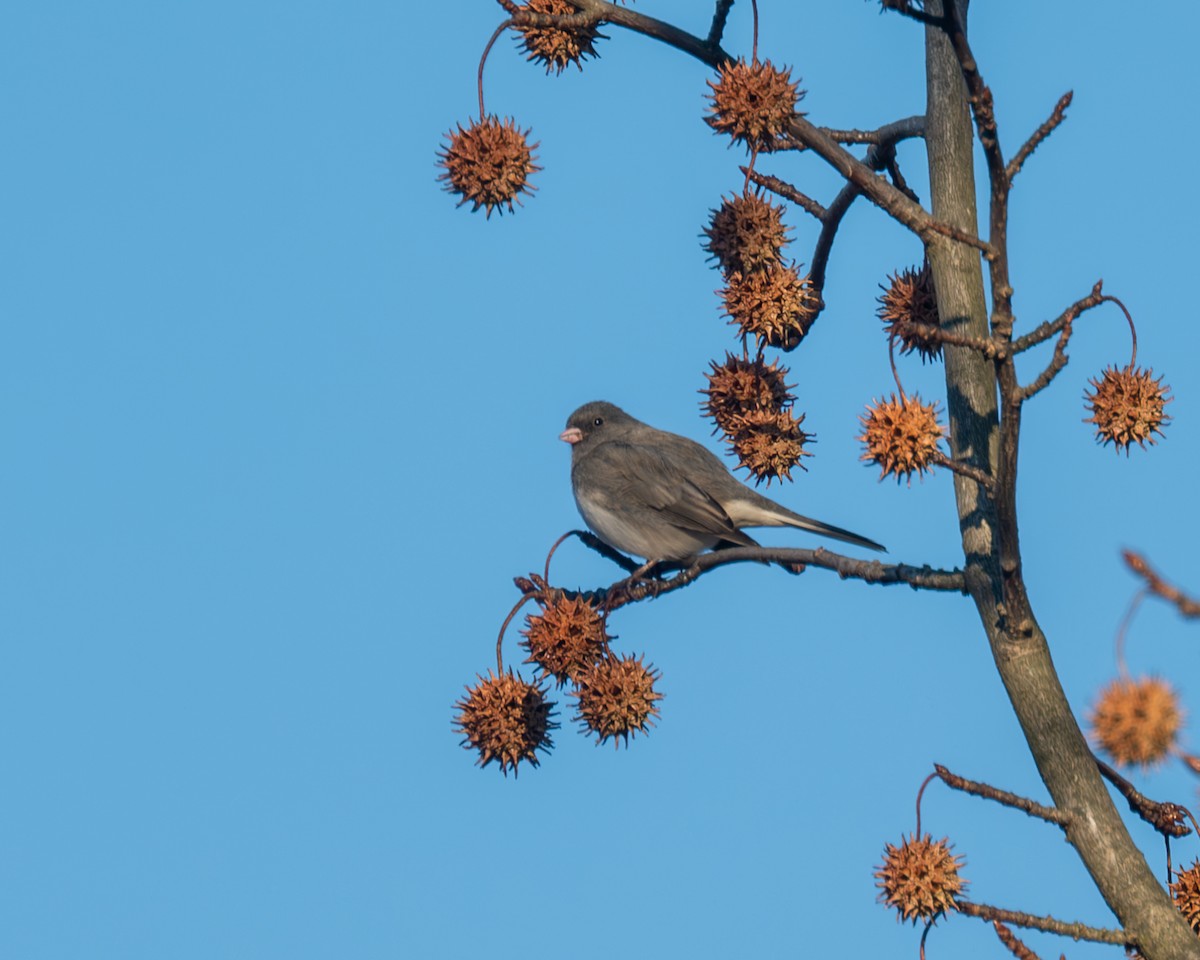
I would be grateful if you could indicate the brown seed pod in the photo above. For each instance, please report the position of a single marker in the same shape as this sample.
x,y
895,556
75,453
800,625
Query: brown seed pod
x,y
901,436
566,639
506,720
617,699
920,878
1136,721
770,444
753,103
1127,407
738,387
557,47
746,233
488,164
774,305
908,304
1186,893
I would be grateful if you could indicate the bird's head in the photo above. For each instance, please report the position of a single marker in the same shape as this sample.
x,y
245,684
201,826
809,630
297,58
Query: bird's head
x,y
591,422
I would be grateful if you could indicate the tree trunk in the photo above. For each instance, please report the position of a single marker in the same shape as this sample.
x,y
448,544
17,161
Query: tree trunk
x,y
1019,648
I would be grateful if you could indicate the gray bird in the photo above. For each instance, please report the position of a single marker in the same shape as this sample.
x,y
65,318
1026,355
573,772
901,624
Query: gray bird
x,y
661,496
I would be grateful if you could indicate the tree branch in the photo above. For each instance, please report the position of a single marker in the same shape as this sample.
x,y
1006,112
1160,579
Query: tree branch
x,y
717,30
1187,606
1076,931
1057,116
1031,807
1064,328
786,190
702,50
1167,818
632,590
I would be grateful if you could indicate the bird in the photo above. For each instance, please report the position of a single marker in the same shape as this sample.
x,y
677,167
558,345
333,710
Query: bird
x,y
663,497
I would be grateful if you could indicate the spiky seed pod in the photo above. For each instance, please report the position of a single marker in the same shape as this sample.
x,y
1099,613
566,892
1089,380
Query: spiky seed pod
x,y
506,720
774,305
488,164
907,304
1127,407
753,103
566,639
901,436
617,699
746,233
920,878
737,387
770,444
1136,721
1186,893
557,47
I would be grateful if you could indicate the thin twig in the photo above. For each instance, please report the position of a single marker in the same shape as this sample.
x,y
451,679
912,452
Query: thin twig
x,y
1010,940
960,236
1165,817
990,347
1044,331
1077,931
786,190
1059,359
964,469
1159,587
1024,804
1041,133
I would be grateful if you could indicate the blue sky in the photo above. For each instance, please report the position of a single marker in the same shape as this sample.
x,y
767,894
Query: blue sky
x,y
280,425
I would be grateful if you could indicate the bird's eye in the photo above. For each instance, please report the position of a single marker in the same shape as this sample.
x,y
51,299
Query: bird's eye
x,y
597,421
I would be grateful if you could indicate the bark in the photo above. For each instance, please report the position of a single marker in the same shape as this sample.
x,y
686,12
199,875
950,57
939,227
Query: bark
x,y
990,541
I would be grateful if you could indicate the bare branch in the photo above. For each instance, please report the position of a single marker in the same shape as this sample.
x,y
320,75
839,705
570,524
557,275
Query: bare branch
x,y
717,30
1166,818
1059,358
1014,944
632,590
964,469
1044,331
992,348
1186,605
884,195
702,50
786,190
1041,133
889,133
829,228
1076,931
1031,807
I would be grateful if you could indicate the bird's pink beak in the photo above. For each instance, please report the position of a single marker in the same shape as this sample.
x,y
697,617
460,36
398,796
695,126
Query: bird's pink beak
x,y
571,435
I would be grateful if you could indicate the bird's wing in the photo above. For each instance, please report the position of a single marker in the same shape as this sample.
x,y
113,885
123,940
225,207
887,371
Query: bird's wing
x,y
649,479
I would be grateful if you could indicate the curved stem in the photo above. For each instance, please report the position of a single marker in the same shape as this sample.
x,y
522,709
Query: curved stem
x,y
483,59
754,48
507,620
1119,643
1132,328
920,794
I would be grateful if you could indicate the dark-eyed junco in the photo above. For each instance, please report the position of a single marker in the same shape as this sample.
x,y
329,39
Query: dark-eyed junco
x,y
661,496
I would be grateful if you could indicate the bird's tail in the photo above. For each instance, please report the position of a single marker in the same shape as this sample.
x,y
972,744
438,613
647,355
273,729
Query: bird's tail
x,y
826,529
756,510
